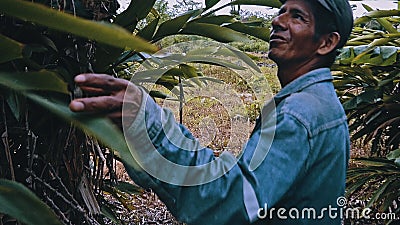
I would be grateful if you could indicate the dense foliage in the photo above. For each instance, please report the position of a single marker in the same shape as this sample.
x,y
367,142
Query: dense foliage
x,y
54,153
368,83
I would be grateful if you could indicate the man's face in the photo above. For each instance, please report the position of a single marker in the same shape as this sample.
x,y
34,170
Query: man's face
x,y
292,37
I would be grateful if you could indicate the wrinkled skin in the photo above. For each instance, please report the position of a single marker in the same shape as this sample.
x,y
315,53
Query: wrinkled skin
x,y
107,96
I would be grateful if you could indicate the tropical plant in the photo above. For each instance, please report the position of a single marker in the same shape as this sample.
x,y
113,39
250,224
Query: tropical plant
x,y
66,159
368,82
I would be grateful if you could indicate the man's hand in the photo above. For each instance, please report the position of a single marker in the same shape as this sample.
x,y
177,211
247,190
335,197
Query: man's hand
x,y
108,97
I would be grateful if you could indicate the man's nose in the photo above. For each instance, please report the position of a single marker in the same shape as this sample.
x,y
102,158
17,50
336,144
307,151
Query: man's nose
x,y
279,22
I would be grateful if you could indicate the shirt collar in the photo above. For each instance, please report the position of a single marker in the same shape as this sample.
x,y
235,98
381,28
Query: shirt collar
x,y
312,77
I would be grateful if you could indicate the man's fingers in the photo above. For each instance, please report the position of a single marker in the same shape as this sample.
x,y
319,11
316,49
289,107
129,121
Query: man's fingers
x,y
101,81
76,106
94,91
96,104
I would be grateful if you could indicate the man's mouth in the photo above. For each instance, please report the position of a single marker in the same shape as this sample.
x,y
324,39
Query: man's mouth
x,y
276,38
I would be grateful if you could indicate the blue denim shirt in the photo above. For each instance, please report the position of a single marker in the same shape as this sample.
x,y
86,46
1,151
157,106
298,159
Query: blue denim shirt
x,y
291,171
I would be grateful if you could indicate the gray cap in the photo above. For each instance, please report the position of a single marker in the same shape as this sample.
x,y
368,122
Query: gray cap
x,y
343,13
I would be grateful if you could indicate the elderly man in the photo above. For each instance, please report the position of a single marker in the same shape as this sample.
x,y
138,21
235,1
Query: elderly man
x,y
292,169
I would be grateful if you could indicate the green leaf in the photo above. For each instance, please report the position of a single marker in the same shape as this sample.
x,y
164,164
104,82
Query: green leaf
x,y
212,61
217,20
258,32
271,3
124,187
377,162
221,34
159,94
105,57
20,203
367,97
245,58
393,155
16,103
34,81
148,31
351,188
346,56
129,188
173,26
211,3
150,75
212,50
384,22
109,213
376,14
190,72
136,11
93,124
380,193
99,31
10,49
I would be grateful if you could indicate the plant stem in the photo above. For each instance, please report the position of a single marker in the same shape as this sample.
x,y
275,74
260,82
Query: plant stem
x,y
6,143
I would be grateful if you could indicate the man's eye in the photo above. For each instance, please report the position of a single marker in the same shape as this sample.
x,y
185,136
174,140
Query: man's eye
x,y
298,16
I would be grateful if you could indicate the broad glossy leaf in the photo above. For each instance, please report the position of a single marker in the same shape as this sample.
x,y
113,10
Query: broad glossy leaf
x,y
376,162
346,56
380,193
22,204
16,103
258,32
376,14
245,58
213,61
148,31
159,94
10,49
217,20
367,97
392,196
175,59
384,22
369,37
173,26
212,50
211,3
368,48
93,124
125,187
137,10
191,73
34,81
99,31
351,188
393,155
221,34
372,54
271,3
105,56
150,75
188,71
212,79
109,213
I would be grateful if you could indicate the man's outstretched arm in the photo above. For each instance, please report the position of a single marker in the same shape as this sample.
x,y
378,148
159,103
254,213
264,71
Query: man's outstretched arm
x,y
197,187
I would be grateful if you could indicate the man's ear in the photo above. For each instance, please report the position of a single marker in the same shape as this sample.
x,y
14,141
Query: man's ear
x,y
328,43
